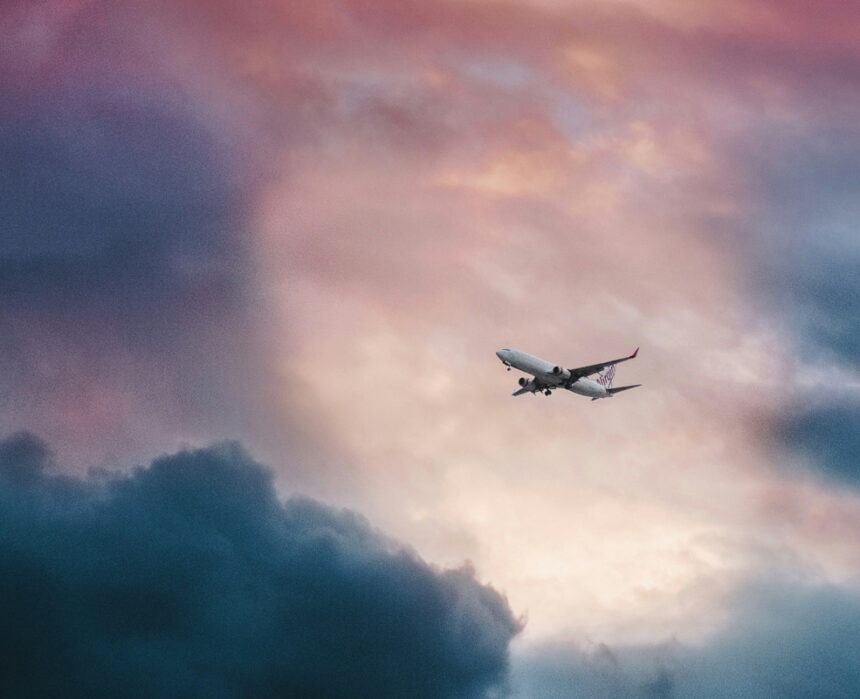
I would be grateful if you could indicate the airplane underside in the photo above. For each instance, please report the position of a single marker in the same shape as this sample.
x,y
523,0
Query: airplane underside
x,y
583,387
546,377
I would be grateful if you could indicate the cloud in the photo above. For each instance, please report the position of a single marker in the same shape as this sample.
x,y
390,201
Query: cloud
x,y
115,206
829,438
125,281
444,179
190,577
802,218
785,640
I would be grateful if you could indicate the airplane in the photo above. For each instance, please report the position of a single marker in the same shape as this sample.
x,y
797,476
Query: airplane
x,y
548,376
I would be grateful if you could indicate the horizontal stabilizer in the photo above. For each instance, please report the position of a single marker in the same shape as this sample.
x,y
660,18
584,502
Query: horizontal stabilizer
x,y
613,391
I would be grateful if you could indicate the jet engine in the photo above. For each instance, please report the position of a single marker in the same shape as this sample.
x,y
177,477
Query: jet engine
x,y
523,381
561,372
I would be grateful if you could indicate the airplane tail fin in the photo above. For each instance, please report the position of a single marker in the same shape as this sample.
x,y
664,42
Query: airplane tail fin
x,y
613,391
605,379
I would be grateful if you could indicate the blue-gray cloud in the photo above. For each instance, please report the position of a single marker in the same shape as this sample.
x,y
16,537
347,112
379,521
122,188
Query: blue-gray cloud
x,y
786,640
829,438
124,272
803,233
804,258
115,202
190,578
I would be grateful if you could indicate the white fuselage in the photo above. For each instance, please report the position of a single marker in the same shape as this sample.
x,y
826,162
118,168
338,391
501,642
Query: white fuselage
x,y
545,377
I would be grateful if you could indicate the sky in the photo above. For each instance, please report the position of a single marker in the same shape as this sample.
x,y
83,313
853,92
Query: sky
x,y
255,261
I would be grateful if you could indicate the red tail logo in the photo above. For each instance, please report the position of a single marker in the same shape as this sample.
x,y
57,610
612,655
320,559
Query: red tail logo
x,y
605,379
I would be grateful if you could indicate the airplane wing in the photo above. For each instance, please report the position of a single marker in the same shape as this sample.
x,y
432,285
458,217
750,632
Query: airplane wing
x,y
579,372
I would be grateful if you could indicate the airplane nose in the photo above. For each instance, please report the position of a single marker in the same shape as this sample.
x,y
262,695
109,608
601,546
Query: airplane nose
x,y
499,354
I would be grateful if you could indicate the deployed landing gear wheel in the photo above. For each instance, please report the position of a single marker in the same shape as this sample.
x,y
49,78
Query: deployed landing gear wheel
x,y
547,392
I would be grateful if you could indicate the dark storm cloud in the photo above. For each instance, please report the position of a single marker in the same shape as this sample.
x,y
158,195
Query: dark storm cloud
x,y
190,578
784,641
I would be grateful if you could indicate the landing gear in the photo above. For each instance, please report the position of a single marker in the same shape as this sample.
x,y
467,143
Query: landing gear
x,y
547,392
509,368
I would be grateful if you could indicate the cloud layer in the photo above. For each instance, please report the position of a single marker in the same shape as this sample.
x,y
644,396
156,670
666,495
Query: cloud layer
x,y
309,225
785,639
190,577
